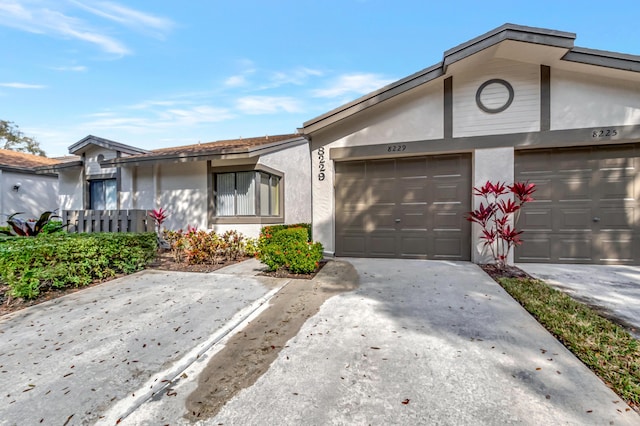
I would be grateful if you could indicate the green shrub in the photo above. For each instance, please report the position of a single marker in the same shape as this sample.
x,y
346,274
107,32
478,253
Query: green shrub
x,y
31,265
269,230
289,248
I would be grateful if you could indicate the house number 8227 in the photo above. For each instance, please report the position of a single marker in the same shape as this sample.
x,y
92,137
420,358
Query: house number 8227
x,y
321,164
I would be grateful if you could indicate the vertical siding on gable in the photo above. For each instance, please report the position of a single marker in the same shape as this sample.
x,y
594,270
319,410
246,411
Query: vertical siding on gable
x,y
522,116
582,100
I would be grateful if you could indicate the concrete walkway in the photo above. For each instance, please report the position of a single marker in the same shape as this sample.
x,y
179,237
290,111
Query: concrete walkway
x,y
614,290
423,342
97,354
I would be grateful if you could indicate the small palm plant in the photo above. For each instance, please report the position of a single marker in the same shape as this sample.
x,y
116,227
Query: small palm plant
x,y
32,228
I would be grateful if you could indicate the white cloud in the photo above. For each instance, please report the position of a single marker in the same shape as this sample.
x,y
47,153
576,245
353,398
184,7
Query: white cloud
x,y
358,84
162,118
235,81
76,68
128,17
47,18
155,103
296,76
257,105
22,86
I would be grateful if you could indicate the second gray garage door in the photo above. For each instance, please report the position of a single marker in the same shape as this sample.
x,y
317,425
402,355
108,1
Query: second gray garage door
x,y
587,205
408,208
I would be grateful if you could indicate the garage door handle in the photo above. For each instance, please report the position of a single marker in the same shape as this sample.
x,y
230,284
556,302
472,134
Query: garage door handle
x,y
596,219
397,220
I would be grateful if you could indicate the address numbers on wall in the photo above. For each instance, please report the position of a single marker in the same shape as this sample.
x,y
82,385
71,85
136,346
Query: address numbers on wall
x,y
604,133
321,164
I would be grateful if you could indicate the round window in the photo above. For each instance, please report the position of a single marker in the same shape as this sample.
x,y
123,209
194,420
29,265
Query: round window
x,y
494,96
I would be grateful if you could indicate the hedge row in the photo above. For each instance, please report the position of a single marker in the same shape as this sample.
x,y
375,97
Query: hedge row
x,y
30,265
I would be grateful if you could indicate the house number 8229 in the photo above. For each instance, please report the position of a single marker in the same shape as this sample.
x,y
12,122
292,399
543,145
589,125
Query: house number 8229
x,y
321,164
396,148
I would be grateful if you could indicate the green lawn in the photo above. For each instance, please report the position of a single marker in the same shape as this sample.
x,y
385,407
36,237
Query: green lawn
x,y
605,347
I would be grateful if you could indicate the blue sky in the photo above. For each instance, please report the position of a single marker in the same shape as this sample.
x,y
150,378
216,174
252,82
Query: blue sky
x,y
164,73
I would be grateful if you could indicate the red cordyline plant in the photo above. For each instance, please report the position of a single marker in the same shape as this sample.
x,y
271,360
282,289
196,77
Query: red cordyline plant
x,y
496,216
159,216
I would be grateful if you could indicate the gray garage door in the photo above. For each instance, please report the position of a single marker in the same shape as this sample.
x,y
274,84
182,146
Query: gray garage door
x,y
409,208
587,205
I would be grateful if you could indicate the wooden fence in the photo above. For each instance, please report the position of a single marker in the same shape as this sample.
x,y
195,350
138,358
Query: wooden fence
x,y
108,220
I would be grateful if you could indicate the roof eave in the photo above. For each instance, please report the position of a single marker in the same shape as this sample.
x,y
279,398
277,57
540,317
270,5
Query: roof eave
x,y
56,168
104,143
224,154
26,170
512,32
603,58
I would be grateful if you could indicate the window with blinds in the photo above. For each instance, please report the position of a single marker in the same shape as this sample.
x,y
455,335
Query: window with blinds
x,y
252,193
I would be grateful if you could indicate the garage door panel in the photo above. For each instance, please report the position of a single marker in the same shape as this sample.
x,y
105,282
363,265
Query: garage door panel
x,y
532,166
412,167
414,190
382,191
573,188
413,245
383,244
535,249
616,248
535,220
617,218
380,218
578,219
544,188
617,187
413,218
447,165
592,199
352,245
446,192
448,220
381,169
572,249
446,246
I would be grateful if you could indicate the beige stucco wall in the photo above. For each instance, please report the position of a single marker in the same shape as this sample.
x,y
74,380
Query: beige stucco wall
x,y
36,194
295,163
182,191
484,169
70,189
581,100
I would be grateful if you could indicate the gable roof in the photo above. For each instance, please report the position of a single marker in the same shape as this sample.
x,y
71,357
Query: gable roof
x,y
242,147
23,162
82,144
507,32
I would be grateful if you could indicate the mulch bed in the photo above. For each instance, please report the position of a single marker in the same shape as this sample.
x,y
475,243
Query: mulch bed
x,y
509,271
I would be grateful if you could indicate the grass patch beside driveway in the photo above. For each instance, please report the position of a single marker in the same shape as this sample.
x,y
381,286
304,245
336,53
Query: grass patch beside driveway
x,y
603,346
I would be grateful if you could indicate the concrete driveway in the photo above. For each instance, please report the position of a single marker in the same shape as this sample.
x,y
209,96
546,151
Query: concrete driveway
x,y
97,354
419,342
614,290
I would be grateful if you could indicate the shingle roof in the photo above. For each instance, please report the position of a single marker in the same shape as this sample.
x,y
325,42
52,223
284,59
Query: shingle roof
x,y
21,160
221,146
196,151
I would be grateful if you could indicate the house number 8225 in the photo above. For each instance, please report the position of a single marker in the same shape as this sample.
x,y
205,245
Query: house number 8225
x,y
321,164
